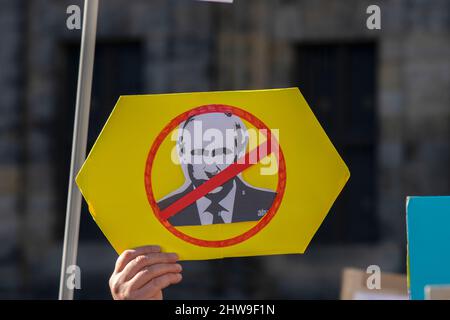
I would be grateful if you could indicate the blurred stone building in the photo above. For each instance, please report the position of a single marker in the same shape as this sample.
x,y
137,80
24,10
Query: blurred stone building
x,y
383,96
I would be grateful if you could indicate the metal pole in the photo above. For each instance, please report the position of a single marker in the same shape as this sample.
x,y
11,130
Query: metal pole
x,y
80,133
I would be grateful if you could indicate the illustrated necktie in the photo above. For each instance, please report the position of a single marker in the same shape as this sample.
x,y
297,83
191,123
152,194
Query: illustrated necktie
x,y
214,208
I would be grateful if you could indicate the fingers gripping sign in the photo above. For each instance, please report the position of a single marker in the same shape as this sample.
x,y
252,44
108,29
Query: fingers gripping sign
x,y
143,273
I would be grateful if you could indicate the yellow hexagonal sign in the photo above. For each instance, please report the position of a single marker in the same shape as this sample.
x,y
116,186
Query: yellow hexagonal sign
x,y
212,175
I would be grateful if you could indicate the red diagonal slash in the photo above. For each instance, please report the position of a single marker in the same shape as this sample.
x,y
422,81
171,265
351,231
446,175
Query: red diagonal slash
x,y
228,173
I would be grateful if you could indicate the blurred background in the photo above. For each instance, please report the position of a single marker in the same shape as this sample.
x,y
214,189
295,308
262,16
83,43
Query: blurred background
x,y
383,97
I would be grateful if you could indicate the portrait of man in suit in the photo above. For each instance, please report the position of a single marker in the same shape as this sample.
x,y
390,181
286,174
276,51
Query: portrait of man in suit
x,y
233,201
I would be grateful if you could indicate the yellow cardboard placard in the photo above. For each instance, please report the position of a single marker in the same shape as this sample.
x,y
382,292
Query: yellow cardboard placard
x,y
113,182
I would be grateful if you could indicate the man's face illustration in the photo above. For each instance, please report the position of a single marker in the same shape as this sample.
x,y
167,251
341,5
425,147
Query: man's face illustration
x,y
216,141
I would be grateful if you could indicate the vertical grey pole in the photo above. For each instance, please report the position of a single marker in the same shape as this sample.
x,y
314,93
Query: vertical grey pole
x,y
80,132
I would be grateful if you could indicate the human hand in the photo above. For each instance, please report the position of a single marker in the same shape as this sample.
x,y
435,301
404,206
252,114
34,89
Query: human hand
x,y
142,274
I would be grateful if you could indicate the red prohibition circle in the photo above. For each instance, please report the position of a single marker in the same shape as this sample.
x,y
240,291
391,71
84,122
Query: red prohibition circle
x,y
281,186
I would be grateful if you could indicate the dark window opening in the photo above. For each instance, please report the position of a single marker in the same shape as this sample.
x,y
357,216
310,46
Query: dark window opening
x,y
339,83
